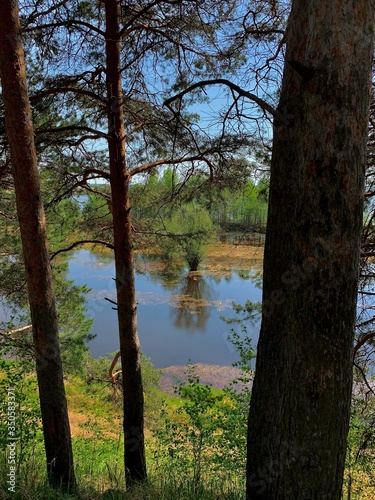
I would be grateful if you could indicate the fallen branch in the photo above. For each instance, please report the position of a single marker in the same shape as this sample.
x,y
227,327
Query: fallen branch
x,y
113,364
16,330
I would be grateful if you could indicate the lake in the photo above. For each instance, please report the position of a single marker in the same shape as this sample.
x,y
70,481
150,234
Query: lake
x,y
179,317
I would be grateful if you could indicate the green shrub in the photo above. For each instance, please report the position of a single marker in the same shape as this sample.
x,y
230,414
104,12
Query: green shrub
x,y
205,438
192,229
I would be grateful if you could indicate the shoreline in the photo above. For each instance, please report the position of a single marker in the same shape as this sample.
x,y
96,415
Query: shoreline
x,y
218,376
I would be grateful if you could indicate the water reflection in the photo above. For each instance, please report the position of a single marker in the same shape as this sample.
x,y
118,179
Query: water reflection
x,y
191,295
194,295
169,277
193,304
172,306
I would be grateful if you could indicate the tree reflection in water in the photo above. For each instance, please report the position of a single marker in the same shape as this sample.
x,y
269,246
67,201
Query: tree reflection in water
x,y
194,295
191,298
193,303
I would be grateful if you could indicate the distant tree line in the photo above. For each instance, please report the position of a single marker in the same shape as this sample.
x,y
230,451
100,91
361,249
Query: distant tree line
x,y
241,206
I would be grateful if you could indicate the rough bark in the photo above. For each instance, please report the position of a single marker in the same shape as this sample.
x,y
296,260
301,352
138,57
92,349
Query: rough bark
x,y
300,406
135,463
31,217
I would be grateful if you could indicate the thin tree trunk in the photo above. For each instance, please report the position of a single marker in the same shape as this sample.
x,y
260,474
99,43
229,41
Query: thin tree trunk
x,y
135,463
31,217
300,405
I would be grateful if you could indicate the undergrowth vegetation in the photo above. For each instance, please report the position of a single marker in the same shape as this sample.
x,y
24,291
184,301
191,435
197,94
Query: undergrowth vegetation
x,y
195,440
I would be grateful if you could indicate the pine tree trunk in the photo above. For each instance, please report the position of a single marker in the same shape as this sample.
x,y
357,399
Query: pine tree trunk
x,y
31,217
300,405
135,462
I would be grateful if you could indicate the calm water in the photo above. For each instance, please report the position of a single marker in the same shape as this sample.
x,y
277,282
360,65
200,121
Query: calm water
x,y
178,318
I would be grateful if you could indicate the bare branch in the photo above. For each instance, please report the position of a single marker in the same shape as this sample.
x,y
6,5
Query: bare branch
x,y
7,216
82,242
67,24
106,196
243,93
164,33
143,11
165,161
65,90
112,302
95,171
261,32
364,378
361,342
37,12
71,128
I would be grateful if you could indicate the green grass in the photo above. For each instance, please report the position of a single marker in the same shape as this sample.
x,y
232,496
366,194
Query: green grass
x,y
106,481
95,412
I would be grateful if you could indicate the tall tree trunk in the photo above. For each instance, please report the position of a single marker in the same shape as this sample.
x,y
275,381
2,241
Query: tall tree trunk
x,y
34,244
135,462
300,405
